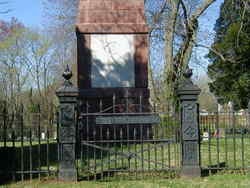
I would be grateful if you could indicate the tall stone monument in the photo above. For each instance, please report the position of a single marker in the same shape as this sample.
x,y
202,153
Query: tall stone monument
x,y
112,44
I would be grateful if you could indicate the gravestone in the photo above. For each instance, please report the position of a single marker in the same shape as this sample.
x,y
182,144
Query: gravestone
x,y
112,46
112,41
205,136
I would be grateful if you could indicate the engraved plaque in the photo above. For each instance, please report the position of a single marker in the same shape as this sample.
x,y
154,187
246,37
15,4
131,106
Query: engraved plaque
x,y
190,153
112,61
120,120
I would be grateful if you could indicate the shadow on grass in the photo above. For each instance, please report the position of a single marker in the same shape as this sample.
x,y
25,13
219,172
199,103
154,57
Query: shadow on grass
x,y
213,169
29,161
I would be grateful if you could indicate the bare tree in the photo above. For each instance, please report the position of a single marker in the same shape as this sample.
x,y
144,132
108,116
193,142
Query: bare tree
x,y
179,20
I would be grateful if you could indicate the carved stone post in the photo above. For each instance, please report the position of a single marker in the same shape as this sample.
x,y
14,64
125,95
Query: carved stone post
x,y
67,95
188,94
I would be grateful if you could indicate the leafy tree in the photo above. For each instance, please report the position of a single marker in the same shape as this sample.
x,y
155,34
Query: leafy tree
x,y
230,67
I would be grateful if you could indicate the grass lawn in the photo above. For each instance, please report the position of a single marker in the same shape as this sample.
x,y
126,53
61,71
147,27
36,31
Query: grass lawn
x,y
213,181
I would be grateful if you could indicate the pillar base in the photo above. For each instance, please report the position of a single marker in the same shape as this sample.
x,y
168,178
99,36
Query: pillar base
x,y
191,171
68,175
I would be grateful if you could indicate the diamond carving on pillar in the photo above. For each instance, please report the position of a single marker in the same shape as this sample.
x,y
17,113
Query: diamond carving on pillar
x,y
190,133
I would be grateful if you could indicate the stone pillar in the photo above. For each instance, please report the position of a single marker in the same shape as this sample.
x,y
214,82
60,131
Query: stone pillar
x,y
188,94
67,95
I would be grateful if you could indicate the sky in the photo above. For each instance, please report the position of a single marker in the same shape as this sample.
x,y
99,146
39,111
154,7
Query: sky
x,y
30,12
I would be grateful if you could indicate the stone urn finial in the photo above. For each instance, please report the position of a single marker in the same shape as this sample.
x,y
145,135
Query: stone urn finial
x,y
188,73
67,74
186,85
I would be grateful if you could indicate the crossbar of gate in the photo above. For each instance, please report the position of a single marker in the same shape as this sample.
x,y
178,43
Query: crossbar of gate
x,y
131,155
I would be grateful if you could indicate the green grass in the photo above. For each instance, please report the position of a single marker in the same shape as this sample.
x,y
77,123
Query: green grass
x,y
214,181
161,156
235,153
227,152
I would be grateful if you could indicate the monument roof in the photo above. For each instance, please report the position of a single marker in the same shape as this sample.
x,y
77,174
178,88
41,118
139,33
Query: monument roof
x,y
111,16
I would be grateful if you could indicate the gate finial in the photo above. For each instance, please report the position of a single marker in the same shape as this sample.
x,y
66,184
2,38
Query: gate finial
x,y
67,74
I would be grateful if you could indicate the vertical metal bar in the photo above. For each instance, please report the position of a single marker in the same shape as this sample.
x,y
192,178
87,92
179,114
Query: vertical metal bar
x,y
135,151
162,147
226,115
30,152
82,156
101,137
217,139
209,119
39,142
22,142
5,124
121,144
115,130
48,152
108,146
174,144
88,152
13,136
148,138
128,129
141,136
155,149
169,155
57,142
242,148
94,137
234,139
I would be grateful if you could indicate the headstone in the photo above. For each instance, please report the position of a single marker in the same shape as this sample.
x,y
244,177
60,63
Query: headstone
x,y
205,136
43,136
112,56
112,45
219,133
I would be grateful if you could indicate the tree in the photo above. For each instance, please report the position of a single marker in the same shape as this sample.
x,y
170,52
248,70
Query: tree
x,y
61,17
26,64
179,21
230,71
175,21
13,73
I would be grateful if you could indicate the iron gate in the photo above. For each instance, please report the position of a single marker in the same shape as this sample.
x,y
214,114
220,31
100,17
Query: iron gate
x,y
126,138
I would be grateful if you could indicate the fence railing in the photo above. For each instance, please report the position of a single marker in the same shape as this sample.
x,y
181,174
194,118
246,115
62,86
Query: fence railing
x,y
225,140
112,142
28,149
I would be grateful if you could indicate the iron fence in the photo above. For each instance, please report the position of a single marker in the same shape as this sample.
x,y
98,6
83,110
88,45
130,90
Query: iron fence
x,y
126,137
225,140
121,139
28,147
